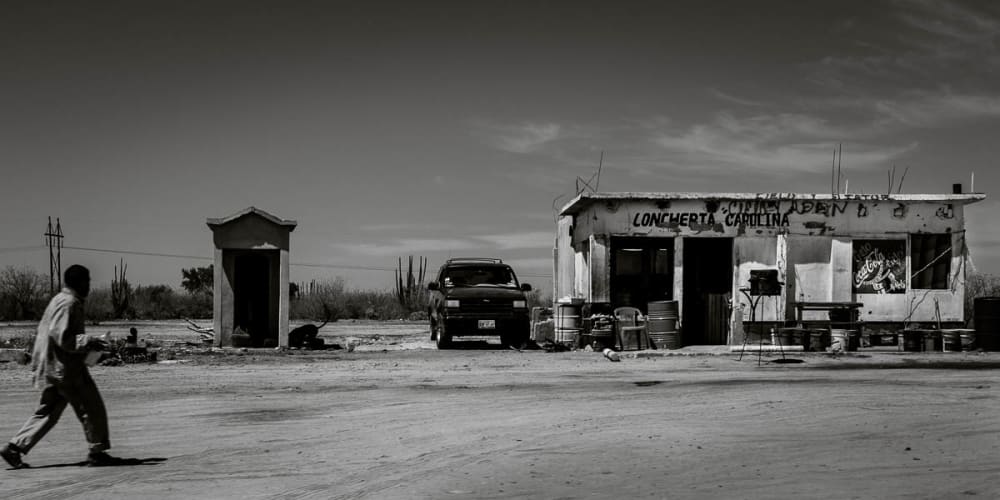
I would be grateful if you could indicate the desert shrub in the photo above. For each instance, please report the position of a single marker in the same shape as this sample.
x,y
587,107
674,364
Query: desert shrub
x,y
197,305
309,302
23,293
154,302
539,298
315,301
98,307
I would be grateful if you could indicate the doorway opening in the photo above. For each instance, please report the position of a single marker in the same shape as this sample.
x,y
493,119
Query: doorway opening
x,y
642,271
708,285
252,298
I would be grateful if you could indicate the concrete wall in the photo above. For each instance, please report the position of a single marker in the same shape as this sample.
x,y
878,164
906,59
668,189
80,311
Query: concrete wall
x,y
810,242
250,232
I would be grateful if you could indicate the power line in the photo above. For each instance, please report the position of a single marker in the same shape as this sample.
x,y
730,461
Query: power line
x,y
297,264
21,249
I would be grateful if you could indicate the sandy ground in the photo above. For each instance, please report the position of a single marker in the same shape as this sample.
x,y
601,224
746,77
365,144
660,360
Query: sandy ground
x,y
396,418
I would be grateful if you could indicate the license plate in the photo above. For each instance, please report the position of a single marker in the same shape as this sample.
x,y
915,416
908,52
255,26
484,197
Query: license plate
x,y
487,324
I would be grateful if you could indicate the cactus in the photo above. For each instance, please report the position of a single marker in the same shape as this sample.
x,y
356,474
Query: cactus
x,y
121,292
409,294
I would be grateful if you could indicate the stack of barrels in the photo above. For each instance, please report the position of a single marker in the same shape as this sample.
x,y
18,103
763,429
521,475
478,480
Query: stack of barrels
x,y
661,324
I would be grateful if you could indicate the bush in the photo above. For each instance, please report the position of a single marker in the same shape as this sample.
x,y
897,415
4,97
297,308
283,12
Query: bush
x,y
342,303
23,293
97,307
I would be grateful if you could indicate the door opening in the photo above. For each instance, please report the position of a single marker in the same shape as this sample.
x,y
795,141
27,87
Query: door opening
x,y
251,296
708,285
642,271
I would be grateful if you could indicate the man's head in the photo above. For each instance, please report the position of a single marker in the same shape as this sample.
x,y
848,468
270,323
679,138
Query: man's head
x,y
77,278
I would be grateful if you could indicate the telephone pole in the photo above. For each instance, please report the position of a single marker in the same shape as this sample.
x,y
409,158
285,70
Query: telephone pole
x,y
53,240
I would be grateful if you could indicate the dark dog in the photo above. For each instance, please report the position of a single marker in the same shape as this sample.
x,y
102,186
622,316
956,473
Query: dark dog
x,y
305,335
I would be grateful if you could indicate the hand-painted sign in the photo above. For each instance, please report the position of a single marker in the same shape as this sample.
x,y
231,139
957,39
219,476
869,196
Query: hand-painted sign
x,y
879,266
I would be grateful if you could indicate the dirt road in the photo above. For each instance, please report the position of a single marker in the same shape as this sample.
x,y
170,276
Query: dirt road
x,y
419,423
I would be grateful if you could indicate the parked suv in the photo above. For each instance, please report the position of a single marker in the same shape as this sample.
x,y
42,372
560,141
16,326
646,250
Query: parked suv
x,y
478,297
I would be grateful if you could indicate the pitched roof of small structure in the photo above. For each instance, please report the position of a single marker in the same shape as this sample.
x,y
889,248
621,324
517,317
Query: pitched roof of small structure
x,y
214,222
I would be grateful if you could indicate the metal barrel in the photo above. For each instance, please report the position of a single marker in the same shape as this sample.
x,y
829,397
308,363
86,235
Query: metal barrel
x,y
661,324
567,329
986,314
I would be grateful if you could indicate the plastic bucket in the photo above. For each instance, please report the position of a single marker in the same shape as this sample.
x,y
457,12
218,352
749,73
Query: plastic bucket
x,y
951,341
819,340
911,340
968,341
932,341
843,340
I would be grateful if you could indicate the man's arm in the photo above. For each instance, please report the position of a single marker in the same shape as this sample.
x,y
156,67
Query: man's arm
x,y
73,338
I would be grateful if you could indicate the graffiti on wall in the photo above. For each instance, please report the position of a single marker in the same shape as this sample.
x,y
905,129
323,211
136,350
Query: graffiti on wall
x,y
746,213
879,266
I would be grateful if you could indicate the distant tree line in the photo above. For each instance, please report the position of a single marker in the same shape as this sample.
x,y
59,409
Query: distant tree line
x,y
24,293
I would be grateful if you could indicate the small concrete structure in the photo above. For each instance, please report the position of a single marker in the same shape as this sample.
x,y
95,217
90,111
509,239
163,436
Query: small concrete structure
x,y
251,277
900,257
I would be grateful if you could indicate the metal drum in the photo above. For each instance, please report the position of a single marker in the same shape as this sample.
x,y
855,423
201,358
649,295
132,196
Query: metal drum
x,y
567,324
986,314
661,324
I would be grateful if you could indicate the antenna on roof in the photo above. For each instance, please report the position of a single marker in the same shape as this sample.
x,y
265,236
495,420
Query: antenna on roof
x,y
833,170
587,183
901,179
840,157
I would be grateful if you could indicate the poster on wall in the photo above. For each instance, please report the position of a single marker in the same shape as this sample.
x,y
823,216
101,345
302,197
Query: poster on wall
x,y
879,266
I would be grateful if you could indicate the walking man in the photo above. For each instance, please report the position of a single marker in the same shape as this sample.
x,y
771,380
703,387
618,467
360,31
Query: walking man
x,y
60,371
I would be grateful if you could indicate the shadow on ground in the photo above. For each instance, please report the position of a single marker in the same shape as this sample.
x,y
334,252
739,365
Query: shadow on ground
x,y
121,462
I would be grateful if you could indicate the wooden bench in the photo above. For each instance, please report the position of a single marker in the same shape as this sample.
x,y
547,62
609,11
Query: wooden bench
x,y
851,308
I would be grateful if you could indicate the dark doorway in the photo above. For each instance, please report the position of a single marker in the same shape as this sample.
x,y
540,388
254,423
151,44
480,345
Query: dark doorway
x,y
708,283
251,294
642,271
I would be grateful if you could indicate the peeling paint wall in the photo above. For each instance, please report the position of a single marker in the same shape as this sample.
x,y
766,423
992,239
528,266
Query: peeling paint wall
x,y
750,254
809,241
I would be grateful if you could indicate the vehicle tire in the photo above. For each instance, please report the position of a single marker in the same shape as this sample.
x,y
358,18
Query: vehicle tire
x,y
434,334
443,339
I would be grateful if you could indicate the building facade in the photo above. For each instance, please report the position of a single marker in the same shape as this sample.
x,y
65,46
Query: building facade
x,y
901,256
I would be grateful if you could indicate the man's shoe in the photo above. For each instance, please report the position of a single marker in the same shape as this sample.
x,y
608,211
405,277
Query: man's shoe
x,y
12,456
101,459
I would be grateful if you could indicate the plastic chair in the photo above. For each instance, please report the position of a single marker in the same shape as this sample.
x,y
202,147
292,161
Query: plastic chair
x,y
628,325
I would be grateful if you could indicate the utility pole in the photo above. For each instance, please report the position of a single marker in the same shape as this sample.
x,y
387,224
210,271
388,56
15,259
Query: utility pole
x,y
53,240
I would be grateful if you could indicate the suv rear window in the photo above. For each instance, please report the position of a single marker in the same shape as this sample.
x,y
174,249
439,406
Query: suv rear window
x,y
479,276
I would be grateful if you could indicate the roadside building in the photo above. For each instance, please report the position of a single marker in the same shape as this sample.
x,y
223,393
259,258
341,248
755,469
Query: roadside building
x,y
723,257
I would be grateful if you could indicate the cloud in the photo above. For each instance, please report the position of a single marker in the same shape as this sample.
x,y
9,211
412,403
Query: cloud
x,y
780,143
522,138
928,109
950,21
511,241
406,246
379,228
733,99
411,246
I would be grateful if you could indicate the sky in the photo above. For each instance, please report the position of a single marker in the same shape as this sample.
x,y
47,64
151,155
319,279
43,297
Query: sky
x,y
396,128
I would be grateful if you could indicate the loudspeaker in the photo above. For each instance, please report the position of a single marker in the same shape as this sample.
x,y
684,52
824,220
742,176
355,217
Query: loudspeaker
x,y
764,282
